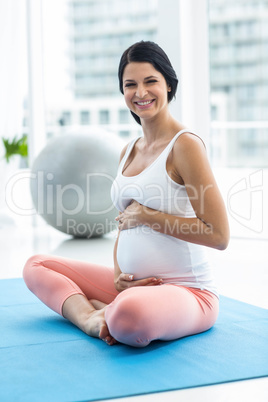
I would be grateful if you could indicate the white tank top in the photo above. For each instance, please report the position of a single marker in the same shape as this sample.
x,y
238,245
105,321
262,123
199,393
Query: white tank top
x,y
145,252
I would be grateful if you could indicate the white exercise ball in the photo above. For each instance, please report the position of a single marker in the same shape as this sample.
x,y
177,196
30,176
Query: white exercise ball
x,y
71,181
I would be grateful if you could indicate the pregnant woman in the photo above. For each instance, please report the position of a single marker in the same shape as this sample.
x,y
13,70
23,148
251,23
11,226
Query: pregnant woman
x,y
170,209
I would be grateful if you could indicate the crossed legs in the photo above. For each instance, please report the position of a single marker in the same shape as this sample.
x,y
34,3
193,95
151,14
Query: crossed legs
x,y
66,286
135,316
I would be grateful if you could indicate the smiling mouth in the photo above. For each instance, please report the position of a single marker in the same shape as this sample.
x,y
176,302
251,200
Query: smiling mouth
x,y
144,103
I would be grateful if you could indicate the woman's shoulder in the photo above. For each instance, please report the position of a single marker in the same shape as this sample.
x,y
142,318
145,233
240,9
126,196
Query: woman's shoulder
x,y
126,147
189,142
189,153
122,154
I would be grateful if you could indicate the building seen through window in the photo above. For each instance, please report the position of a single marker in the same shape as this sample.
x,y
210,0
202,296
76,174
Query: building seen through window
x,y
85,117
104,116
238,43
124,116
97,32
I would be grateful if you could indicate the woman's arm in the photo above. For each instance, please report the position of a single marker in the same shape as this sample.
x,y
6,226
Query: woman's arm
x,y
210,227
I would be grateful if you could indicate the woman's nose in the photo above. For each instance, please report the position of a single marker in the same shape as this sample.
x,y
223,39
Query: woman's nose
x,y
141,91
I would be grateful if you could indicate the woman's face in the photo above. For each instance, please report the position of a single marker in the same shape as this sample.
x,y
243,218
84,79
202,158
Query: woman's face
x,y
145,89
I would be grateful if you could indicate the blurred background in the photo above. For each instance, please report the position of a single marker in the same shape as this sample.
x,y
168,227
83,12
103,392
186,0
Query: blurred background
x,y
71,50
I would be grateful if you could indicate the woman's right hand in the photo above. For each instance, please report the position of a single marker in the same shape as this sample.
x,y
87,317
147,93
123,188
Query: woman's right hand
x,y
125,281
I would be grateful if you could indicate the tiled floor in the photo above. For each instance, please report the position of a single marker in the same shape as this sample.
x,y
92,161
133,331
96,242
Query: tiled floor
x,y
241,272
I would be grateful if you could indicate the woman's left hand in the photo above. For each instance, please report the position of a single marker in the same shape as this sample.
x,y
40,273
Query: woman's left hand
x,y
131,217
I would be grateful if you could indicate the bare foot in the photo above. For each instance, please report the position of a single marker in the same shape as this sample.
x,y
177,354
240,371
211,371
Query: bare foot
x,y
96,326
98,305
90,319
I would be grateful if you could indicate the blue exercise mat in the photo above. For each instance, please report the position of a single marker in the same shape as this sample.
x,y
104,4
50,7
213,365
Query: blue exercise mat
x,y
45,358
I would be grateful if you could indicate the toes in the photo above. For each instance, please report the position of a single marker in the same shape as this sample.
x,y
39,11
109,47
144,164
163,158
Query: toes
x,y
110,340
105,335
103,331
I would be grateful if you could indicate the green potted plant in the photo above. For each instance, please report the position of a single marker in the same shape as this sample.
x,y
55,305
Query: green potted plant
x,y
16,147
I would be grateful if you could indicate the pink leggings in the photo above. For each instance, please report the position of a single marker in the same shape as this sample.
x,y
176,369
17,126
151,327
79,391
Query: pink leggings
x,y
135,316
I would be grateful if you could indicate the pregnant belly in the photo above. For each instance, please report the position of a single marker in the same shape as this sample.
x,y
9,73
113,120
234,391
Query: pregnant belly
x,y
143,252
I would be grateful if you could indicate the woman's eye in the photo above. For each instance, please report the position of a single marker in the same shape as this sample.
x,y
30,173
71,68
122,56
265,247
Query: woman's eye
x,y
129,85
151,81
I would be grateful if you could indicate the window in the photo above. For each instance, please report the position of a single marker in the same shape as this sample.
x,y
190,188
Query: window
x,y
104,117
124,133
123,116
237,62
214,112
66,119
84,117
